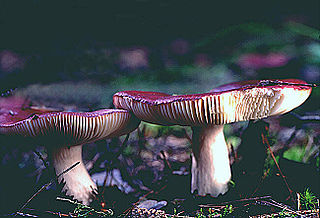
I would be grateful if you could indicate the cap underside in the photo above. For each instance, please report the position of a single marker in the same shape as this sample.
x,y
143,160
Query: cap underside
x,y
223,105
71,127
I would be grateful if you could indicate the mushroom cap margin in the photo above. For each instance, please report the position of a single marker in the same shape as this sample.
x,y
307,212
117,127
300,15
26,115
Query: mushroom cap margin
x,y
68,128
229,103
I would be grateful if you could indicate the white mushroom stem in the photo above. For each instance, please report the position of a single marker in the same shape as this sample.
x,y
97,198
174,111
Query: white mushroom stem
x,y
210,161
77,181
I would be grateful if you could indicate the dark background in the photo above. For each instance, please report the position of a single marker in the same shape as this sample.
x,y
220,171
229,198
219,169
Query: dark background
x,y
41,25
50,32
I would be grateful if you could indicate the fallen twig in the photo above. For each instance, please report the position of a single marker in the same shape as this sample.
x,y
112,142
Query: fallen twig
x,y
84,209
25,214
45,186
237,201
278,205
134,204
265,141
41,158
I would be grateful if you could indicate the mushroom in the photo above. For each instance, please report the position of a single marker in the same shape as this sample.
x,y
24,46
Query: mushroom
x,y
207,113
63,134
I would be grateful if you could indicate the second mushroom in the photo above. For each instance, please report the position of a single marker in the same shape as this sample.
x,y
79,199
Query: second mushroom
x,y
207,113
63,134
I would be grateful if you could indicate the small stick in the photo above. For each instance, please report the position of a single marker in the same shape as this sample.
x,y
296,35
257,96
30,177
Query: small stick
x,y
265,141
298,201
41,158
279,205
134,204
58,213
163,187
239,200
165,159
125,141
144,196
67,170
45,186
70,201
25,214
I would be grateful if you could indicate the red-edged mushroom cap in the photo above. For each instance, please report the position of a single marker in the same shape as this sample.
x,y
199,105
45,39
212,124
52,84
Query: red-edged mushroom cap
x,y
229,103
64,133
71,128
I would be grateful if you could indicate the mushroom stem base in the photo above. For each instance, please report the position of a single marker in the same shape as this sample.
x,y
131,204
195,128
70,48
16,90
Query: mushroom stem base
x,y
77,181
210,161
